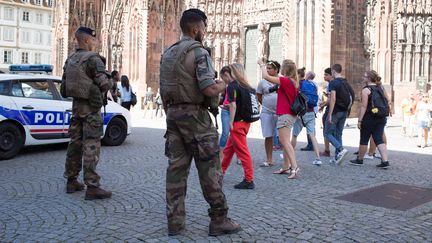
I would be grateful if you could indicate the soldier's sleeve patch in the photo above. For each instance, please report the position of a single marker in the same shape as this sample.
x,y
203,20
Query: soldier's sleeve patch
x,y
204,68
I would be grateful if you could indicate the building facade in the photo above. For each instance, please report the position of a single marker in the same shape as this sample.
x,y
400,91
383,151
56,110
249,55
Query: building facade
x,y
25,32
133,34
399,40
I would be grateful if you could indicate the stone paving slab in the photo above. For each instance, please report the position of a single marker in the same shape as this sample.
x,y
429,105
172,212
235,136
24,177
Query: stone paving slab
x,y
34,207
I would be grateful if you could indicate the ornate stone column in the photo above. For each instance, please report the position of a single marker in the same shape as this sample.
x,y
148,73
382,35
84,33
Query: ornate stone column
x,y
427,63
417,62
398,64
408,63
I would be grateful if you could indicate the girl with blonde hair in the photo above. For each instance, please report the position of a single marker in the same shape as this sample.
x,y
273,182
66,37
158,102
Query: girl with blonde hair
x,y
288,89
239,129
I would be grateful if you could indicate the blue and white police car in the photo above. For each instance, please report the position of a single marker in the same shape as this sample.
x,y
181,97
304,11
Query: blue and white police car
x,y
32,112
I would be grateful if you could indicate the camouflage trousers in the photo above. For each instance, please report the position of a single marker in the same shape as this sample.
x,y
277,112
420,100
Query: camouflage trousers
x,y
191,134
85,134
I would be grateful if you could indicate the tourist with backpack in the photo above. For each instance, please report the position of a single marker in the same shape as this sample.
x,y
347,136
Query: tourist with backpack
x,y
341,99
301,72
372,118
243,109
287,93
309,88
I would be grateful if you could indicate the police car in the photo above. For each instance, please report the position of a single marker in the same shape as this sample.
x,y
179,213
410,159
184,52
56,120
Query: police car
x,y
32,112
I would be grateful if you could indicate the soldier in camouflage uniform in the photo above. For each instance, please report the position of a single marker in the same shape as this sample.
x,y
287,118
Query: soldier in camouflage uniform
x,y
187,80
85,80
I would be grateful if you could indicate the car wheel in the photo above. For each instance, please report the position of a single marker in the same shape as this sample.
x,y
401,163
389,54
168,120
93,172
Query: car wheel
x,y
115,133
11,140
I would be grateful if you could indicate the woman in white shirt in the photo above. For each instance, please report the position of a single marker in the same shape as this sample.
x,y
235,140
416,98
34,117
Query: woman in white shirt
x,y
423,110
126,92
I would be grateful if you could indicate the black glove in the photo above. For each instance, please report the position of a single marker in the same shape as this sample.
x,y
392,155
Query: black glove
x,y
274,88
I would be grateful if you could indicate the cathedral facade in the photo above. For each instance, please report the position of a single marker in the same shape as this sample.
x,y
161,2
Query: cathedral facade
x,y
133,34
398,37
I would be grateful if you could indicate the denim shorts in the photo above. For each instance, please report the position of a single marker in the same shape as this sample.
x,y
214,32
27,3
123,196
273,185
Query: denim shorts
x,y
423,124
309,121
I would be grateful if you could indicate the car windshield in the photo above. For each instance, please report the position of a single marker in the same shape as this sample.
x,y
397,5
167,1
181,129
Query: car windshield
x,y
37,90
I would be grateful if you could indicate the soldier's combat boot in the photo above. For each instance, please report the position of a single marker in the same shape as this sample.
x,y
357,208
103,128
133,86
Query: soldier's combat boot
x,y
175,229
223,225
74,185
97,193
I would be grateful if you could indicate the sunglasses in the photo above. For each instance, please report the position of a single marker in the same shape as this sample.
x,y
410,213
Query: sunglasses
x,y
272,64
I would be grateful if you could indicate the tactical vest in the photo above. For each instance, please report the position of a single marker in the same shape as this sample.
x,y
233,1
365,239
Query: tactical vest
x,y
177,86
77,84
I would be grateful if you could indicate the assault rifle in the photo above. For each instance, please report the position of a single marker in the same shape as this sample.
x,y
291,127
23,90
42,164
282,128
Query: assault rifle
x,y
212,103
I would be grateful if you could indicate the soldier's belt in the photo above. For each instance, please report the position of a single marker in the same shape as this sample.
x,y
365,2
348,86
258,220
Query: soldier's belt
x,y
188,106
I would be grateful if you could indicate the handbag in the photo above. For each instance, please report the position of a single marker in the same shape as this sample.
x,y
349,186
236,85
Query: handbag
x,y
133,100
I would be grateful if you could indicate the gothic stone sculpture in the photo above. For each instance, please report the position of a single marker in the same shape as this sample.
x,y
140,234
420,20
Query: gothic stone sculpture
x,y
262,41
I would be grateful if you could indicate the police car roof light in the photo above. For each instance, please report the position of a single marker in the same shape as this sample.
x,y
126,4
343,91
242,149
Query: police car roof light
x,y
30,68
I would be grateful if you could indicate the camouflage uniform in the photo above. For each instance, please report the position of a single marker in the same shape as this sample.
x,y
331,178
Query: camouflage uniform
x,y
191,134
86,125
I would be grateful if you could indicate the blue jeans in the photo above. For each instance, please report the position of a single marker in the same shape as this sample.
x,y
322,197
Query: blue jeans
x,y
333,131
276,138
225,119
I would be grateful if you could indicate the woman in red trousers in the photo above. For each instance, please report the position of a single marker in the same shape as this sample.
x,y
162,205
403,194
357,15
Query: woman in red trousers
x,y
238,129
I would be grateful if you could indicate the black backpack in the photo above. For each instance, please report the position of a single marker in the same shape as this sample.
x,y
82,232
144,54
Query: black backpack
x,y
378,106
249,109
345,96
300,104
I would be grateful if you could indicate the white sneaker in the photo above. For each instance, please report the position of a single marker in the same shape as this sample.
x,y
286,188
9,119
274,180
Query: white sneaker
x,y
281,156
367,156
317,162
377,155
340,156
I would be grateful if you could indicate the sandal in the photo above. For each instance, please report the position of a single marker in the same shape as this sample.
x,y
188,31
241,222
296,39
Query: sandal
x,y
294,173
266,164
282,171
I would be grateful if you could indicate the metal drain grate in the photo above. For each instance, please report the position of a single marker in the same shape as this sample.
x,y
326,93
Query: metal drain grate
x,y
391,195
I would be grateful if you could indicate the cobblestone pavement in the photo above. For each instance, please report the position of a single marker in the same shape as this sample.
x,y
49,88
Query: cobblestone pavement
x,y
35,207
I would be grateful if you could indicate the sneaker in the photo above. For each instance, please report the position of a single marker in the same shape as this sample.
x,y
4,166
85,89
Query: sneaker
x,y
383,165
317,162
367,156
307,148
340,156
281,155
245,185
356,161
377,155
